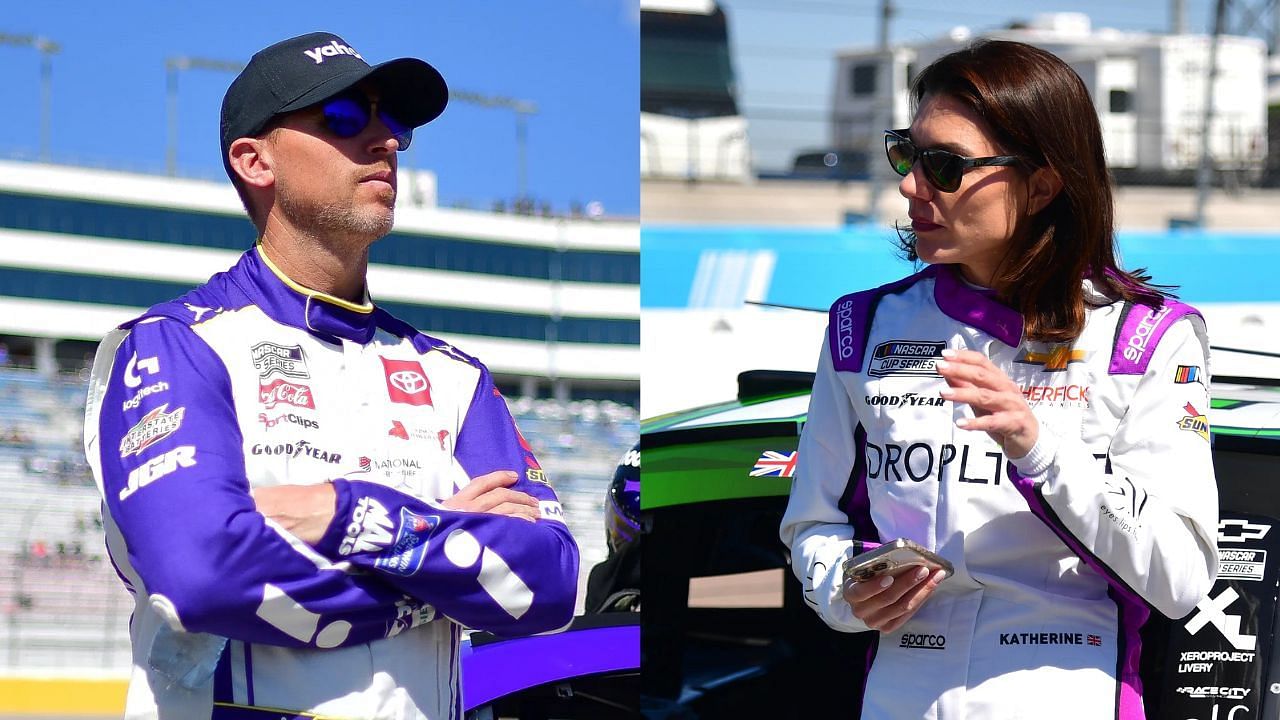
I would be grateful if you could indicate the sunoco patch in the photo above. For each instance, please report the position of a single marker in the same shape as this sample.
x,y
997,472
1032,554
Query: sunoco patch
x,y
906,357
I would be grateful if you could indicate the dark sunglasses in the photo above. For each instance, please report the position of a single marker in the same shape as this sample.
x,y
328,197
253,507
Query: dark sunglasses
x,y
944,170
348,114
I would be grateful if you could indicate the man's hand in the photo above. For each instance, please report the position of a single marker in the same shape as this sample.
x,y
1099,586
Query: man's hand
x,y
999,407
304,510
884,603
492,493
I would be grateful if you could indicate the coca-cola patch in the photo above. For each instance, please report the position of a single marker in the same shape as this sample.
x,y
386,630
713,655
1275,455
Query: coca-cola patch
x,y
283,391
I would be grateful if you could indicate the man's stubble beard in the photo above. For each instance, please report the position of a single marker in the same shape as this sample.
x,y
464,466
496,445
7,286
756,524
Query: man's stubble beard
x,y
322,219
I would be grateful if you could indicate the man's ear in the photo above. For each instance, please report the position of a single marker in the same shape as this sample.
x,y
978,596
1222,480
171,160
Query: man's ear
x,y
251,160
1043,186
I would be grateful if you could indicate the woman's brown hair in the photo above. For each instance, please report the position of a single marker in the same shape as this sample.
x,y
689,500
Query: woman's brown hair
x,y
1038,109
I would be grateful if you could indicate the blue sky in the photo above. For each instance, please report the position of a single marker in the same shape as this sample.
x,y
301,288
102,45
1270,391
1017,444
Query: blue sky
x,y
577,60
784,50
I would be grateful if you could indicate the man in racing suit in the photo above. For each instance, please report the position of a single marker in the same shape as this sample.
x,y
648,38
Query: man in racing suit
x,y
307,497
1058,555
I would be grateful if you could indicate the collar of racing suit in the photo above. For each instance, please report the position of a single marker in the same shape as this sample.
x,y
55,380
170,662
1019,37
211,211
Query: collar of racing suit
x,y
290,303
976,307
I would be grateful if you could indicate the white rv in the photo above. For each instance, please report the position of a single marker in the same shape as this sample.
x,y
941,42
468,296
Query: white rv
x,y
1149,91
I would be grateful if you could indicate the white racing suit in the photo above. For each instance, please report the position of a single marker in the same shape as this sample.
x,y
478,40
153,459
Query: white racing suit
x,y
252,381
1060,555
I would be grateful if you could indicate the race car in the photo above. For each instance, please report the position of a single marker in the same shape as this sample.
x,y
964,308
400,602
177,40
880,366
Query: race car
x,y
589,671
715,486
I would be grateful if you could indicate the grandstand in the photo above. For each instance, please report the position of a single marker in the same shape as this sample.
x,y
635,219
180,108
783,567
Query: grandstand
x,y
550,304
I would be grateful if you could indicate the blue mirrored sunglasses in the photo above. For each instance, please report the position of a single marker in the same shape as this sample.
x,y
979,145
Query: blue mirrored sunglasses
x,y
348,114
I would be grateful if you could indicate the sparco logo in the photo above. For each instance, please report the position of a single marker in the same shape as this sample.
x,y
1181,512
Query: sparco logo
x,y
906,357
288,360
924,642
369,529
334,48
1137,345
904,400
844,329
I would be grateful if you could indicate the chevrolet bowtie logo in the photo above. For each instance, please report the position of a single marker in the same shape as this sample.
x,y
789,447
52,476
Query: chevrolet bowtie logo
x,y
1055,360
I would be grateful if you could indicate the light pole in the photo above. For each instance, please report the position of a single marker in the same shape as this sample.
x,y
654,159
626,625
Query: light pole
x,y
48,49
523,109
172,65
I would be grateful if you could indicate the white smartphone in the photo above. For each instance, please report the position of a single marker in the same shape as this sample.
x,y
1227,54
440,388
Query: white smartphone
x,y
891,557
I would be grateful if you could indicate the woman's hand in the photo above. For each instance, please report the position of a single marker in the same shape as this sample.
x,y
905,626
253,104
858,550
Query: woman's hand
x,y
999,408
884,603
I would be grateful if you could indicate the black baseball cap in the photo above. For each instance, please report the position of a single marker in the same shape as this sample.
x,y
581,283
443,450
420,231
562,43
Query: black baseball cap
x,y
302,71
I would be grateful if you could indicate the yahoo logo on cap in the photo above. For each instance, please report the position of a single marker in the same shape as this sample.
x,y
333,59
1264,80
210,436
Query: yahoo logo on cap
x,y
333,49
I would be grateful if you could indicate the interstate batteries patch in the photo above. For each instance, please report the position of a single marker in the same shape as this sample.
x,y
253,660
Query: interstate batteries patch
x,y
906,357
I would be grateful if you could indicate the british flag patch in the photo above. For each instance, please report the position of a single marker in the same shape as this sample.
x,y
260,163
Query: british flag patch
x,y
775,464
1094,640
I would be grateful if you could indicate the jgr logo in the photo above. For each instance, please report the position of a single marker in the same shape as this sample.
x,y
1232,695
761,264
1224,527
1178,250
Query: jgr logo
x,y
157,467
1137,345
924,642
844,329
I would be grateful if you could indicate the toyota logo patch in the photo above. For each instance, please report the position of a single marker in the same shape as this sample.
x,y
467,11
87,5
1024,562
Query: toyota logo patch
x,y
407,383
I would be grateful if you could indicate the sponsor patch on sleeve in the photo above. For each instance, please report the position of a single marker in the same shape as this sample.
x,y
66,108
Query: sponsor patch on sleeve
x,y
1194,421
550,510
404,556
151,429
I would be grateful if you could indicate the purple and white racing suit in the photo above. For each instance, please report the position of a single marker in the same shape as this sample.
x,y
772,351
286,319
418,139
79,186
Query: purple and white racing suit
x,y
1059,555
253,381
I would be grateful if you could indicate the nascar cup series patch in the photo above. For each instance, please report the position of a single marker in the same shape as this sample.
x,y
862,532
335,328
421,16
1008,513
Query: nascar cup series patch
x,y
906,357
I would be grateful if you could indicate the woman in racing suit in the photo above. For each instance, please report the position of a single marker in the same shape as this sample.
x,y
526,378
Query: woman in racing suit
x,y
1022,407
